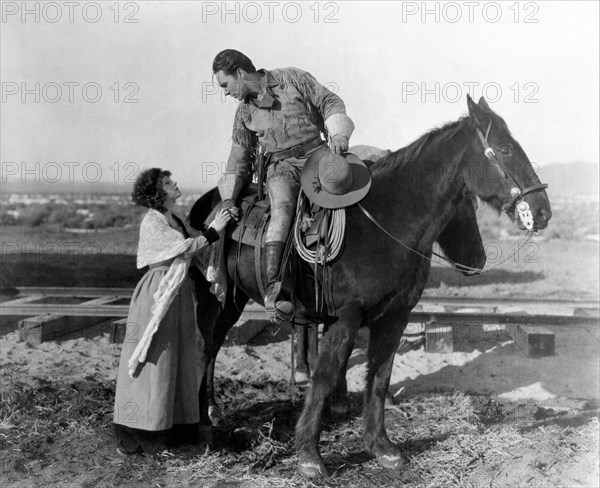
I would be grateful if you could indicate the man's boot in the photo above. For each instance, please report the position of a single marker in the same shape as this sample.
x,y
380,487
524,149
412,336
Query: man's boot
x,y
283,309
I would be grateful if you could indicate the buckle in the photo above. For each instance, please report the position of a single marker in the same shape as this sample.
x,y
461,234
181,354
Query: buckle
x,y
298,151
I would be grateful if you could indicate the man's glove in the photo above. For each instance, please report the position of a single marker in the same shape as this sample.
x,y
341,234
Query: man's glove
x,y
234,211
339,144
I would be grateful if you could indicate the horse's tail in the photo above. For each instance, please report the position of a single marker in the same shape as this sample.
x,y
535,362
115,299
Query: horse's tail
x,y
203,208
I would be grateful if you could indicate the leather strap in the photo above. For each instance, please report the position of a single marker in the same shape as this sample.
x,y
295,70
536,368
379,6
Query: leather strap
x,y
237,282
295,151
504,173
258,246
261,166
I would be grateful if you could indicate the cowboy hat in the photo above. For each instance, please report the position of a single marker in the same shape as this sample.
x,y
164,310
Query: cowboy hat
x,y
334,181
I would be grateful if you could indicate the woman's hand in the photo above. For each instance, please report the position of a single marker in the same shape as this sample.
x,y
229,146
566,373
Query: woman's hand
x,y
221,219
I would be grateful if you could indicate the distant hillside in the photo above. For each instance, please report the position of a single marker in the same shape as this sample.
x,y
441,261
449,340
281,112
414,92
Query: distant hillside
x,y
575,178
77,187
45,187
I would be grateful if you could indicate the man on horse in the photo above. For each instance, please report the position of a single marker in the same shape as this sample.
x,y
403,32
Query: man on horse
x,y
279,121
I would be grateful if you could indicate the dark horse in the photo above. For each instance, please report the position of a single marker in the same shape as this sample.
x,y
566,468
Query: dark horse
x,y
376,281
460,242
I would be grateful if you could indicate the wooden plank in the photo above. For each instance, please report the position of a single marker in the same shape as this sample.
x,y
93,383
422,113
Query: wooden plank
x,y
473,309
80,310
258,313
101,307
535,341
101,301
47,327
241,333
469,335
463,336
10,323
74,291
495,318
452,301
586,312
439,338
23,300
119,328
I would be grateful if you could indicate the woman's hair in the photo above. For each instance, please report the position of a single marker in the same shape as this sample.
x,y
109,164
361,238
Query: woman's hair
x,y
148,190
230,60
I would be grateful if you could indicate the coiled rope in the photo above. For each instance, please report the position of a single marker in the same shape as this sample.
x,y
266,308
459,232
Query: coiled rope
x,y
335,234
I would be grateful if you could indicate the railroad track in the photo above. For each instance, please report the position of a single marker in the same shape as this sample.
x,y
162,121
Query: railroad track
x,y
47,312
114,302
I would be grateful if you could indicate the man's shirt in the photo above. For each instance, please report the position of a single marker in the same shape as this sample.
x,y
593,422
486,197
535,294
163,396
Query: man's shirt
x,y
290,110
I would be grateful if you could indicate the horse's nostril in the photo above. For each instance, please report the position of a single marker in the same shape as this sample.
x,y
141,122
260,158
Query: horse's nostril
x,y
544,214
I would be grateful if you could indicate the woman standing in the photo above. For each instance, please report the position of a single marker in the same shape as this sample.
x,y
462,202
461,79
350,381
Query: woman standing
x,y
156,396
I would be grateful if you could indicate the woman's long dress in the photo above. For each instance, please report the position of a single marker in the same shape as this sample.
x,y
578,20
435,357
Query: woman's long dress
x,y
164,389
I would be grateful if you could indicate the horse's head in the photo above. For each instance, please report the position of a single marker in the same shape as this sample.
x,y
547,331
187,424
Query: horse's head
x,y
500,172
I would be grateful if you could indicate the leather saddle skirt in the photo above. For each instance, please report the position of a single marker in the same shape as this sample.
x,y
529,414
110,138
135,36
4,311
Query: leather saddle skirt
x,y
255,216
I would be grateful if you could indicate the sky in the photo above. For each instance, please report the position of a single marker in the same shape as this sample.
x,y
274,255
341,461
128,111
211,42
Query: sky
x,y
97,91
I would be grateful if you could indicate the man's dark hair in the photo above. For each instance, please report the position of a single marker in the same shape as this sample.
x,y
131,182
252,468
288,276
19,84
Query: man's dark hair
x,y
148,189
229,60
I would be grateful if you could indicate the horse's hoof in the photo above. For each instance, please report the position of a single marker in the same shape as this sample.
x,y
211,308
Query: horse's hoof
x,y
301,377
215,415
392,461
312,470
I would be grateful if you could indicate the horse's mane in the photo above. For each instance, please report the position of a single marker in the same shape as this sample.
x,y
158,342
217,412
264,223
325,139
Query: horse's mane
x,y
411,153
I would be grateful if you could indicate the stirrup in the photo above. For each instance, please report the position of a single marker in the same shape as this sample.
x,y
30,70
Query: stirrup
x,y
278,311
284,312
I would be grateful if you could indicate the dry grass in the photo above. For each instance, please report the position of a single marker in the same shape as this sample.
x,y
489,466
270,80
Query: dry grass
x,y
51,433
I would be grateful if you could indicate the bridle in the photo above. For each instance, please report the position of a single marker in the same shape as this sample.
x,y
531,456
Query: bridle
x,y
517,192
516,200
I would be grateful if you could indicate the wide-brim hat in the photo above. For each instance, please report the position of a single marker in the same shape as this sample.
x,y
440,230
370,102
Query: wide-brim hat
x,y
334,181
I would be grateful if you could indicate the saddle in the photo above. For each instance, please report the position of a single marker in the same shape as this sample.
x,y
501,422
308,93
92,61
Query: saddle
x,y
253,225
255,219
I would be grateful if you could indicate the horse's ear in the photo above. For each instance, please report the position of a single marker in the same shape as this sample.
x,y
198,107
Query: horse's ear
x,y
484,105
477,113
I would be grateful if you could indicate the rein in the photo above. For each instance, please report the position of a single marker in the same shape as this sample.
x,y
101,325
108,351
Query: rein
x,y
460,268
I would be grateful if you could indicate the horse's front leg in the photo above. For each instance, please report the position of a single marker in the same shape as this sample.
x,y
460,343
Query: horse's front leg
x,y
384,338
230,314
335,347
302,371
214,411
339,405
207,311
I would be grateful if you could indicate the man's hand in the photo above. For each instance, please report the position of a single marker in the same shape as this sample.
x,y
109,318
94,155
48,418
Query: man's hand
x,y
234,211
339,144
221,220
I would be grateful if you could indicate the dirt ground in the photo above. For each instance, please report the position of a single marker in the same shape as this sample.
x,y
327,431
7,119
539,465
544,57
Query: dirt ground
x,y
487,416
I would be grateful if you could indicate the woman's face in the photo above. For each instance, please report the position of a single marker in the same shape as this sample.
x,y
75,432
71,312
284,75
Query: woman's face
x,y
170,188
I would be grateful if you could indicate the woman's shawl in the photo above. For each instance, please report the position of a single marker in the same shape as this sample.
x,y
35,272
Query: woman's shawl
x,y
160,242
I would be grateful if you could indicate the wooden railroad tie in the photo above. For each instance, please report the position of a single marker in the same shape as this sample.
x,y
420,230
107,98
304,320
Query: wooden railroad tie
x,y
241,333
535,341
49,327
532,339
447,337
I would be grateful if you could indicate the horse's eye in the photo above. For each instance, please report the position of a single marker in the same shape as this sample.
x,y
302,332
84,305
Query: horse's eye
x,y
505,151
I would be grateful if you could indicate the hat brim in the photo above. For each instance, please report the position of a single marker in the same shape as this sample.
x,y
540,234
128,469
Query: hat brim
x,y
361,182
